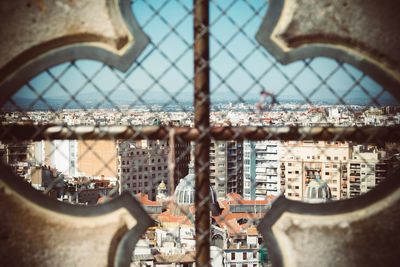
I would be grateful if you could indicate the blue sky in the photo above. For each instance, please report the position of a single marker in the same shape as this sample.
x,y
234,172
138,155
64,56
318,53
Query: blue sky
x,y
239,67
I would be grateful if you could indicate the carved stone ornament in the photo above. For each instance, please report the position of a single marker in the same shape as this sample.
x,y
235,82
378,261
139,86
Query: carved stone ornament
x,y
38,231
38,34
363,231
364,33
356,232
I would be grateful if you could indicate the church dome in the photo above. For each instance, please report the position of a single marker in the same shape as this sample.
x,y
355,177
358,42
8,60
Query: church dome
x,y
162,186
318,191
184,192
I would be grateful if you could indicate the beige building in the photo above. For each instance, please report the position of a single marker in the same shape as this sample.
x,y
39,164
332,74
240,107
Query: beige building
x,y
96,158
302,161
75,158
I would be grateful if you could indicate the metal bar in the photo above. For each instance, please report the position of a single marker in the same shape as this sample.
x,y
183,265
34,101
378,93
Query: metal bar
x,y
202,124
29,132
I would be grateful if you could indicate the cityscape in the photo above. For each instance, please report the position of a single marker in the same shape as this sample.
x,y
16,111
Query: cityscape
x,y
183,133
245,176
262,113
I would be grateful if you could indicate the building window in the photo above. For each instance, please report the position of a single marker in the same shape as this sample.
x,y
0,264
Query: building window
x,y
232,255
244,256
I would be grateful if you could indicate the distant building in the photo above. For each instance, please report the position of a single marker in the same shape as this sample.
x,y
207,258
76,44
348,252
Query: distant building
x,y
226,167
73,158
318,191
143,164
261,169
302,161
97,158
241,254
367,169
17,156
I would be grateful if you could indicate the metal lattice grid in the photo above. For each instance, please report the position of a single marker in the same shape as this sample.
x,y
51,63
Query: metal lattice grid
x,y
242,72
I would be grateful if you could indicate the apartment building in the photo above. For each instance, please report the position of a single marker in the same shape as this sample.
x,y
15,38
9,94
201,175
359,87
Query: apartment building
x,y
97,158
367,168
302,161
73,158
143,165
226,167
17,156
261,169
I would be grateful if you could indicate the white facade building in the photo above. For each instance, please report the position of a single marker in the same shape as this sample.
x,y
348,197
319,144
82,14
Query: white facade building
x,y
261,165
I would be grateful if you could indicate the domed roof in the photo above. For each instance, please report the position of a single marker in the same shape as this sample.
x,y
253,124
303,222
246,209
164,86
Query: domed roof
x,y
162,186
184,192
318,191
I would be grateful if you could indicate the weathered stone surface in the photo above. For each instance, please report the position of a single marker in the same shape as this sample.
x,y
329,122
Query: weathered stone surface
x,y
364,33
38,231
38,34
356,232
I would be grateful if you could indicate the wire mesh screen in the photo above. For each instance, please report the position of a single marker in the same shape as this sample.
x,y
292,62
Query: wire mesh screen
x,y
85,102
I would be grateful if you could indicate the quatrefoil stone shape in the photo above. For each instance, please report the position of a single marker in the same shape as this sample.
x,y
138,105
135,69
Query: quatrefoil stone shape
x,y
38,34
38,231
364,33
